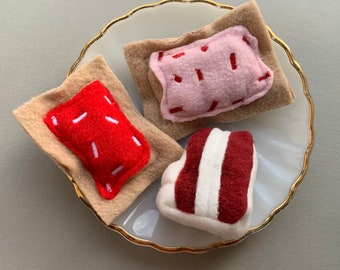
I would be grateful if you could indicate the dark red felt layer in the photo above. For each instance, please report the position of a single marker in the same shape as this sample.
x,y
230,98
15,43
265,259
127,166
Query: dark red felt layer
x,y
185,187
235,177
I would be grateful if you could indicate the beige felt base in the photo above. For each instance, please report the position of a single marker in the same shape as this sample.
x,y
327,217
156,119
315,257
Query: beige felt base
x,y
137,55
164,149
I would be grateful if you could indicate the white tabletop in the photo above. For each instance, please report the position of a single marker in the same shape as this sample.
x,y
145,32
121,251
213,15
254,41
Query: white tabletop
x,y
45,226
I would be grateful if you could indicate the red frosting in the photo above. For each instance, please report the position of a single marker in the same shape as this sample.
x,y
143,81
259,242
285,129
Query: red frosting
x,y
94,128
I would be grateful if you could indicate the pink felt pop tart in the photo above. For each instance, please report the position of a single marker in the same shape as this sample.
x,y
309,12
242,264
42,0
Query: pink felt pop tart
x,y
211,186
212,80
211,75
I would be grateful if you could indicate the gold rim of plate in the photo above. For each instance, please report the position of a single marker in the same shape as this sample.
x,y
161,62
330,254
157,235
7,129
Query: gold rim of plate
x,y
295,184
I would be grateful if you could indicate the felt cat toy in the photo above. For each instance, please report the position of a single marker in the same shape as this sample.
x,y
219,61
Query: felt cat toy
x,y
89,126
211,186
202,61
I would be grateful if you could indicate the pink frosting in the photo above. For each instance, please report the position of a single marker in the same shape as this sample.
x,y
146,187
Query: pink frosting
x,y
211,75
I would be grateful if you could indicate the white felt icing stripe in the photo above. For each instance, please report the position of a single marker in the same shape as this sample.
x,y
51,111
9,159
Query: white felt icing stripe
x,y
108,187
94,149
208,182
136,141
117,170
112,120
108,100
54,120
79,118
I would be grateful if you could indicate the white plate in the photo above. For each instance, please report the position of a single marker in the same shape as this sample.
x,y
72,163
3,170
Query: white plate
x,y
284,137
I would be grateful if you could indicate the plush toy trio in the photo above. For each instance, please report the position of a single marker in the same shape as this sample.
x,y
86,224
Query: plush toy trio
x,y
224,72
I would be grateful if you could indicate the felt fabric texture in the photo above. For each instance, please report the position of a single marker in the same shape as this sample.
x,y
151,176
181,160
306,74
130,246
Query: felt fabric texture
x,y
211,186
164,149
92,125
138,54
211,75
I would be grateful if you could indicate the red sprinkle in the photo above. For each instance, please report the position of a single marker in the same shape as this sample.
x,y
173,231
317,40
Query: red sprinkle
x,y
177,78
233,61
178,55
265,76
245,39
176,109
213,106
160,56
199,74
204,48
237,101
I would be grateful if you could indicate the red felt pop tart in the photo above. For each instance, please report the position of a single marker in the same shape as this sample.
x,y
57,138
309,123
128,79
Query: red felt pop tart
x,y
94,128
211,186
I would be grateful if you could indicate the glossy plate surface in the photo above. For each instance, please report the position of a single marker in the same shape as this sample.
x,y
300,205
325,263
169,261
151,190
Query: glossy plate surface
x,y
284,137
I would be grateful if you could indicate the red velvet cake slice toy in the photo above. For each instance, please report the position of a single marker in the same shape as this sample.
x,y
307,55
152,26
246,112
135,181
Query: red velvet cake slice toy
x,y
89,126
211,186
